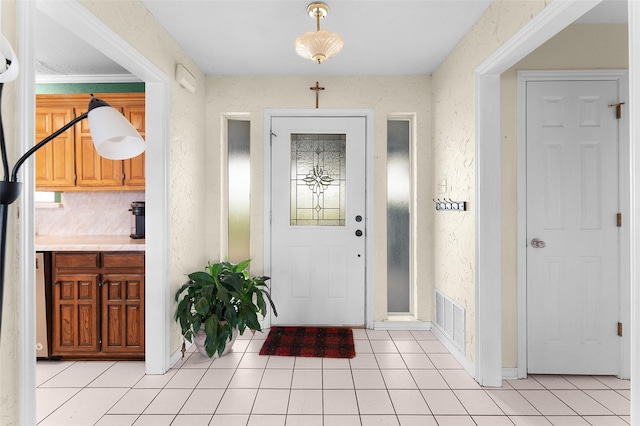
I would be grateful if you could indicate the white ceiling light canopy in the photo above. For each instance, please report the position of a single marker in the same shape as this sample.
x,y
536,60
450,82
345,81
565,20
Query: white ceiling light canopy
x,y
321,44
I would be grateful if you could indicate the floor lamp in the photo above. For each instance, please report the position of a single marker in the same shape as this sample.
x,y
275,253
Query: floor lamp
x,y
113,137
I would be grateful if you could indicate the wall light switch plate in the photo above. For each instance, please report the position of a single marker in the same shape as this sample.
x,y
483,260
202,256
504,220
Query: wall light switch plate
x,y
442,186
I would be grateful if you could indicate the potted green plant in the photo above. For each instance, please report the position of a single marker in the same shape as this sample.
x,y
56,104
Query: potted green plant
x,y
219,302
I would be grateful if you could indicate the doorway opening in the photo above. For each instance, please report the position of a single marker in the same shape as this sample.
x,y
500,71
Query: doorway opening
x,y
79,20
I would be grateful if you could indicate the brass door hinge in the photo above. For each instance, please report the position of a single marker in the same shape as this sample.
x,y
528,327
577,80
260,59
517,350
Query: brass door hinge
x,y
619,220
620,329
618,109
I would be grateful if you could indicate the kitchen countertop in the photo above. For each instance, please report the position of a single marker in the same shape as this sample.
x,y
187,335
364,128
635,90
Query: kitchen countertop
x,y
88,243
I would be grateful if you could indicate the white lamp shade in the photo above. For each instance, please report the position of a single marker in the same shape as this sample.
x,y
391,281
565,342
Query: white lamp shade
x,y
6,52
113,135
319,45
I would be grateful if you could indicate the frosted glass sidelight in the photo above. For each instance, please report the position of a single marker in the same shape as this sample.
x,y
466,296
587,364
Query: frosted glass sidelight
x,y
318,179
398,217
239,183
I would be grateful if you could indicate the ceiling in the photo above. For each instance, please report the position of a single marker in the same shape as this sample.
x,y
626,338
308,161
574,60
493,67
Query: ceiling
x,y
242,37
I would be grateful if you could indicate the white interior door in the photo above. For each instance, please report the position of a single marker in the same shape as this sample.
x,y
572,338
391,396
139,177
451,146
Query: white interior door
x,y
572,237
318,220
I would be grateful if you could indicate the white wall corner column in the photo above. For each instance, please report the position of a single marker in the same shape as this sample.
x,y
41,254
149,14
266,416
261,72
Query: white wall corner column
x,y
488,233
634,137
27,295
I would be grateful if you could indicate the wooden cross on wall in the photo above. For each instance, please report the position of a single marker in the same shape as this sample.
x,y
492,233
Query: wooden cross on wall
x,y
317,89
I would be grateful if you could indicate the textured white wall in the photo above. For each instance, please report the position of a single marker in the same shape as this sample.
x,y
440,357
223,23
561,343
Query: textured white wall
x,y
579,46
454,149
385,96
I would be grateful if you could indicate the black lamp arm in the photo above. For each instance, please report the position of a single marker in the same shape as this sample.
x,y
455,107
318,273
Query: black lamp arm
x,y
42,143
3,148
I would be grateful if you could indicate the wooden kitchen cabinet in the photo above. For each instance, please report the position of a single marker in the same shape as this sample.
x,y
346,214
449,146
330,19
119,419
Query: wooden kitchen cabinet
x,y
94,171
73,151
134,170
55,165
123,313
98,305
75,315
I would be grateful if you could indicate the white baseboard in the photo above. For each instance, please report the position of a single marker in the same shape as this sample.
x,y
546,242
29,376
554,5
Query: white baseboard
x,y
402,325
459,356
510,373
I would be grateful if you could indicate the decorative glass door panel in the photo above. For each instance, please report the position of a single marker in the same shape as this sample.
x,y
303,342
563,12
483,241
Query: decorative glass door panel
x,y
318,179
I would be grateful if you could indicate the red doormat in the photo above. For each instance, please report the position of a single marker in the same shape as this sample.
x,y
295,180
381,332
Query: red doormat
x,y
322,342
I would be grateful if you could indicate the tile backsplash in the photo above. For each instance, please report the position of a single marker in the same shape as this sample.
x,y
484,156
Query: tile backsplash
x,y
89,213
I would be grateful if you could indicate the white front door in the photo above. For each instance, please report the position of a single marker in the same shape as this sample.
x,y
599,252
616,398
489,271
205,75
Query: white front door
x,y
318,220
572,237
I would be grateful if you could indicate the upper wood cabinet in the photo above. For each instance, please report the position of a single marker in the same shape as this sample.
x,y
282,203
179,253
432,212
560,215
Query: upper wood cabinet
x,y
93,170
70,162
134,173
55,165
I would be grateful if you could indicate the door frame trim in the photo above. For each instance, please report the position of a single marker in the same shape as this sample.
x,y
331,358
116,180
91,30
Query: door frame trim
x,y
622,78
367,114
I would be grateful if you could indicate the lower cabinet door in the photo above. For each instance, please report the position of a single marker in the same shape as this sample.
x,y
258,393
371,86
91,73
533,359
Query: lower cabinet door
x,y
123,313
75,316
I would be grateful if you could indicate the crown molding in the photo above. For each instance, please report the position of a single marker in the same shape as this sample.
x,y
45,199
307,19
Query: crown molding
x,y
87,78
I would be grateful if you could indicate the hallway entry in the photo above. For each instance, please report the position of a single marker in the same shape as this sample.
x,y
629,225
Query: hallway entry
x,y
318,220
572,253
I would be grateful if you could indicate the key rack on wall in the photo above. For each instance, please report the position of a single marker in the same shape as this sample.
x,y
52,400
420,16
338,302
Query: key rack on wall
x,y
449,204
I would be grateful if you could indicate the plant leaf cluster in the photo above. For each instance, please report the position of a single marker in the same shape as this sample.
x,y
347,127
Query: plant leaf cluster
x,y
222,297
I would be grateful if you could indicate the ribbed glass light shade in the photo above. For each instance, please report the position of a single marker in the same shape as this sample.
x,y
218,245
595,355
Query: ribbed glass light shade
x,y
318,45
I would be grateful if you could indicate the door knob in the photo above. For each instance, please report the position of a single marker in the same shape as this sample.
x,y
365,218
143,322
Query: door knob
x,y
538,243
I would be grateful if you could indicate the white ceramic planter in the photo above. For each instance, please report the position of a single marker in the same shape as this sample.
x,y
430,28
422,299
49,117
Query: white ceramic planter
x,y
201,336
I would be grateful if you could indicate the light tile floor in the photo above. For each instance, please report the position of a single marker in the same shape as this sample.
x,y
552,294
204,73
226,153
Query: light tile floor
x,y
398,378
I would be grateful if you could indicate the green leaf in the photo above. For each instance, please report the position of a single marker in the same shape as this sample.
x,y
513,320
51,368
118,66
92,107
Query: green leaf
x,y
197,322
182,288
211,328
262,307
213,268
201,278
242,265
202,306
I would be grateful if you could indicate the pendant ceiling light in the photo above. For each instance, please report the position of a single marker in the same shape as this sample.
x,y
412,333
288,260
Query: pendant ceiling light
x,y
321,44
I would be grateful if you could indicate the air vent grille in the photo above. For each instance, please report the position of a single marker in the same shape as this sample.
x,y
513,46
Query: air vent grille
x,y
450,320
